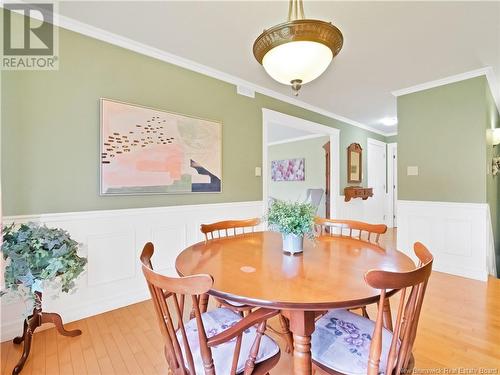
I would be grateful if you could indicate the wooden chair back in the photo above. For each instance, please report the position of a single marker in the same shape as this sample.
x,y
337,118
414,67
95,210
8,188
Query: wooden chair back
x,y
355,229
169,295
164,289
412,286
228,228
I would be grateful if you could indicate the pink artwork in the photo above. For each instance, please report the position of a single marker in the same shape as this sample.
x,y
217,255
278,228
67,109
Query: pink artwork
x,y
288,170
148,151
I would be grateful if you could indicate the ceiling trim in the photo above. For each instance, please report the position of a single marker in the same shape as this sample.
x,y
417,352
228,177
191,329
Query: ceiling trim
x,y
296,139
391,134
486,71
144,49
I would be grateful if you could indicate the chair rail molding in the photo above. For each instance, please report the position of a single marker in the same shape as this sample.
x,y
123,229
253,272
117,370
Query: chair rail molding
x,y
457,234
112,241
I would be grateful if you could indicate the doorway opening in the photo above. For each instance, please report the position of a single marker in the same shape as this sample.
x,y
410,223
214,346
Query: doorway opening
x,y
300,161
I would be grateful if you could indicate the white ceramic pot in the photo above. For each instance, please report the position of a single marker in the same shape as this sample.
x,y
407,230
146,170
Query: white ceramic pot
x,y
292,243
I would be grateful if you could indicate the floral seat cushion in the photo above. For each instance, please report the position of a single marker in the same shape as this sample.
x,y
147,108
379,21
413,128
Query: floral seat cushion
x,y
215,322
341,341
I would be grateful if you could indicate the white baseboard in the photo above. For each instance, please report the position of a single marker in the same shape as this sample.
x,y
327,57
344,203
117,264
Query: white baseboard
x,y
112,241
455,233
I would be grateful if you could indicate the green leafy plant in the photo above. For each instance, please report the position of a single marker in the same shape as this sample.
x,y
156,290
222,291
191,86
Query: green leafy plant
x,y
36,254
292,217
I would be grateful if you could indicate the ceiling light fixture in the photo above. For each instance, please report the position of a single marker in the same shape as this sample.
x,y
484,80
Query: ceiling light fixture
x,y
389,121
495,137
299,50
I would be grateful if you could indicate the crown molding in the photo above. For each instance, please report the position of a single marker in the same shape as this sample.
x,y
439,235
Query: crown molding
x,y
296,139
391,134
144,49
486,71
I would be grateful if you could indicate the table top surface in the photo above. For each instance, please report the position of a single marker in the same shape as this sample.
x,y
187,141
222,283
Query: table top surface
x,y
252,269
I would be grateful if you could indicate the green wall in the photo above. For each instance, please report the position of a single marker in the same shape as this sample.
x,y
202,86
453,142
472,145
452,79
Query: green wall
x,y
442,131
392,139
446,132
50,127
315,172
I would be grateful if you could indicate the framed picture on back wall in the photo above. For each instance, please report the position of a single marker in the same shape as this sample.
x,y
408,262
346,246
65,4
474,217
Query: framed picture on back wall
x,y
288,170
150,151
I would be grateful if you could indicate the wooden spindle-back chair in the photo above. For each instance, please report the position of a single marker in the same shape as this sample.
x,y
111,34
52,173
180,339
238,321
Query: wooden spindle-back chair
x,y
228,228
190,347
391,352
350,228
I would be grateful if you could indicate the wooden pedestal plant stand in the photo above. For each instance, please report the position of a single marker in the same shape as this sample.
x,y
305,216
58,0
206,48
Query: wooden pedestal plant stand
x,y
31,323
36,256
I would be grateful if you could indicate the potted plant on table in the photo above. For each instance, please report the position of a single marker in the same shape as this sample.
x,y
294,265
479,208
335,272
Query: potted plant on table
x,y
294,220
36,257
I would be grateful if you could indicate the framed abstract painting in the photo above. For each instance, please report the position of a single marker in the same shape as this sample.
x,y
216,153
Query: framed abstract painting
x,y
288,170
150,151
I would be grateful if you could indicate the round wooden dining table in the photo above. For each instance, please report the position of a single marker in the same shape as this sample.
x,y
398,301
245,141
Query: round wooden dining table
x,y
252,269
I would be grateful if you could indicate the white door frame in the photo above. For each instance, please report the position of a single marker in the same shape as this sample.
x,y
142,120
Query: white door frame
x,y
392,170
272,117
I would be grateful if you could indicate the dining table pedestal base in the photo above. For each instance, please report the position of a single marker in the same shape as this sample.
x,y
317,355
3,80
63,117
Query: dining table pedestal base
x,y
302,327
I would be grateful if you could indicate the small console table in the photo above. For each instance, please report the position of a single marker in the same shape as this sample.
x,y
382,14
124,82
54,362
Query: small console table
x,y
357,192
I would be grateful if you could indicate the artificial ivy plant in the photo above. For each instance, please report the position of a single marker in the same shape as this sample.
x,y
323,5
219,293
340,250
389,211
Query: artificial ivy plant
x,y
36,254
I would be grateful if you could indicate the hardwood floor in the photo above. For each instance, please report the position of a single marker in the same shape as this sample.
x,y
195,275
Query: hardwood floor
x,y
459,329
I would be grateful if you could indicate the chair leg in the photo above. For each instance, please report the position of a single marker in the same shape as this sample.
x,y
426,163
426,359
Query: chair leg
x,y
365,313
203,303
285,327
387,315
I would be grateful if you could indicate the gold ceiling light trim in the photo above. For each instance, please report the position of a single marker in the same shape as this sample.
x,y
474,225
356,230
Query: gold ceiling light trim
x,y
298,29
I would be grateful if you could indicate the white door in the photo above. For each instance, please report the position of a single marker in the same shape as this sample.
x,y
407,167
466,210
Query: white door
x,y
376,156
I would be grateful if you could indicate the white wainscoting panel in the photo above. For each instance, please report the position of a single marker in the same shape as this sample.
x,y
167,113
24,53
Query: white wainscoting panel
x,y
356,209
457,234
172,239
100,257
112,241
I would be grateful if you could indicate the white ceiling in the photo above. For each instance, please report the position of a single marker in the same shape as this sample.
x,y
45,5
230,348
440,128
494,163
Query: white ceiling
x,y
279,133
387,45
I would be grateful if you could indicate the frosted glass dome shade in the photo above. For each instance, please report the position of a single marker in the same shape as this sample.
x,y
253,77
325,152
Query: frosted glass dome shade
x,y
299,60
